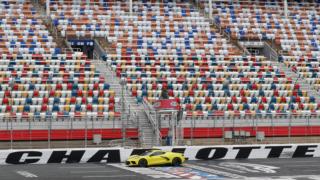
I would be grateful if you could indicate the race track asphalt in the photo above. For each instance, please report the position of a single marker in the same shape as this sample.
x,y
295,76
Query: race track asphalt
x,y
264,169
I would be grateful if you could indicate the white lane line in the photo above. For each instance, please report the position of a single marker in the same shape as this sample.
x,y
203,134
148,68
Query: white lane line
x,y
279,161
304,165
84,172
82,167
26,174
225,168
111,176
311,170
146,172
214,171
309,177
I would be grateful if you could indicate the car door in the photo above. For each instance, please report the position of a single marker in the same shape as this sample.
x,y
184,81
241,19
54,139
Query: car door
x,y
158,158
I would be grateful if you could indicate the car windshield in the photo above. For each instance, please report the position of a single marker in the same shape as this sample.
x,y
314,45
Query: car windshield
x,y
147,153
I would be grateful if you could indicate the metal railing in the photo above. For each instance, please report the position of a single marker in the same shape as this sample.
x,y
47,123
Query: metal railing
x,y
153,119
249,129
66,131
62,132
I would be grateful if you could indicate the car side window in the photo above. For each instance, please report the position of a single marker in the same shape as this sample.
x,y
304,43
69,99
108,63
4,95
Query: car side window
x,y
158,153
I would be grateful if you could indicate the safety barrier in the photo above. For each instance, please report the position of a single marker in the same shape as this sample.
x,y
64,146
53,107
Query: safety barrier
x,y
117,155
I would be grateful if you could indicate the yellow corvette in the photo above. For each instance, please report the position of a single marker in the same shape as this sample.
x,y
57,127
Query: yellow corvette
x,y
155,158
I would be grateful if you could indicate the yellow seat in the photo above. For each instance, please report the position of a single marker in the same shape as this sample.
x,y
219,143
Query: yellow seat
x,y
67,108
67,101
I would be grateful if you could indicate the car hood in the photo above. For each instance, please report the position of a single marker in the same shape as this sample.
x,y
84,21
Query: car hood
x,y
134,157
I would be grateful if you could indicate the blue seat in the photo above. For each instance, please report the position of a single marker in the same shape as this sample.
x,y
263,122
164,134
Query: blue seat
x,y
198,107
55,108
74,93
95,100
106,86
26,108
56,100
78,108
28,101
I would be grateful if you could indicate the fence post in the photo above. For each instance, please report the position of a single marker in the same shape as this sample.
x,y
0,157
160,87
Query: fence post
x,y
11,135
272,126
191,131
233,130
139,130
289,129
49,133
308,130
30,133
85,132
213,131
223,124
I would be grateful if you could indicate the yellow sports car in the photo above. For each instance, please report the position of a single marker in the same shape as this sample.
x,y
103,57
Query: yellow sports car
x,y
156,157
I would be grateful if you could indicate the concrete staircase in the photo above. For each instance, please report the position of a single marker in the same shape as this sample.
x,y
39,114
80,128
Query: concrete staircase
x,y
138,117
60,41
274,46
304,85
234,42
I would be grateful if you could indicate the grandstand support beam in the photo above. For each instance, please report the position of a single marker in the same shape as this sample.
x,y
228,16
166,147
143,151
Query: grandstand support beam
x,y
285,4
130,7
48,7
210,9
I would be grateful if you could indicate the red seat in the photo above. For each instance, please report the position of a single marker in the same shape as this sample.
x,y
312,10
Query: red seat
x,y
89,107
35,93
44,108
73,100
45,100
5,101
8,108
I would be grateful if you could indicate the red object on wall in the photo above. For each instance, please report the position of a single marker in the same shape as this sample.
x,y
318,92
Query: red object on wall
x,y
166,104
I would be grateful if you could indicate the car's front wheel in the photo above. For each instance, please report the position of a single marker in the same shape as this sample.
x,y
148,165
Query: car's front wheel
x,y
143,163
176,161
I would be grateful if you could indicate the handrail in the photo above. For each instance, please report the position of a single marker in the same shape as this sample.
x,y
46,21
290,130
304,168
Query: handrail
x,y
151,114
84,3
274,51
256,116
188,56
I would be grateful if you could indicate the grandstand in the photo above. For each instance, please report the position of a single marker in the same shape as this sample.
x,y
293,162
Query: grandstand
x,y
72,69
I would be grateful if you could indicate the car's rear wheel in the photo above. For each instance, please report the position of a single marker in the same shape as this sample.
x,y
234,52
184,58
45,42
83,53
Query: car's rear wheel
x,y
143,163
176,161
